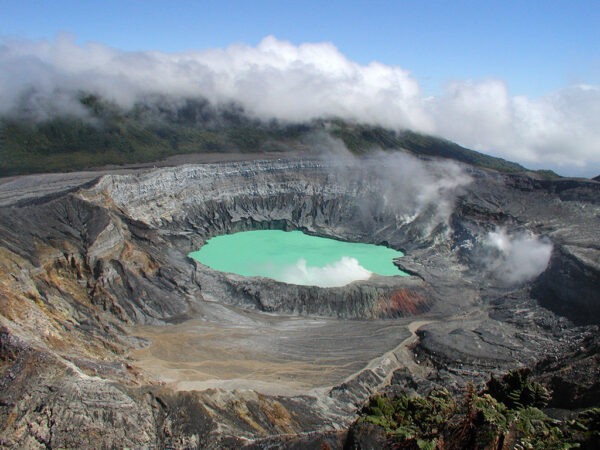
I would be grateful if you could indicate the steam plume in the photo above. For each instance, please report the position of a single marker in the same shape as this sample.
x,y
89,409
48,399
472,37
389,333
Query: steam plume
x,y
415,191
517,258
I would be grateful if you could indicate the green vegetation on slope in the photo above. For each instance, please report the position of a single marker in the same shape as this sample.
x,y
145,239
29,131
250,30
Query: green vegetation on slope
x,y
161,127
110,135
360,138
505,415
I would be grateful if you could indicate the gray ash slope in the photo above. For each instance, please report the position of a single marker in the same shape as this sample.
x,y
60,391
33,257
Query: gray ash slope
x,y
85,262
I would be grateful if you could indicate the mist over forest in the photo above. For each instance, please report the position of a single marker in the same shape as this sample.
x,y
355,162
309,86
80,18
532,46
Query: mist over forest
x,y
44,81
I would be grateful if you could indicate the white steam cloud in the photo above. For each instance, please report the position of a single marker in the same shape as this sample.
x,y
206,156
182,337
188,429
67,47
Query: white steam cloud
x,y
277,79
339,273
415,191
517,258
422,189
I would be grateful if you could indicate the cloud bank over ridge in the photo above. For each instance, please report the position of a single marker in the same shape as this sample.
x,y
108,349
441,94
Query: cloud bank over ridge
x,y
277,79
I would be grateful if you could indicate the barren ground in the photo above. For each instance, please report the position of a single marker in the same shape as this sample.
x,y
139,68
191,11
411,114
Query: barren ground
x,y
279,355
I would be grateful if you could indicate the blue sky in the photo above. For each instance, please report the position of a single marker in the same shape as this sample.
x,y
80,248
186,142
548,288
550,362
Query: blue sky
x,y
534,46
516,79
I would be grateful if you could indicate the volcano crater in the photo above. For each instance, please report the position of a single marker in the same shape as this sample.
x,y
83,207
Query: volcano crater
x,y
102,300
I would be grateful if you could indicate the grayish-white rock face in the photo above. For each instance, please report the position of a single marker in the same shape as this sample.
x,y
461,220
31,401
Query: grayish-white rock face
x,y
95,285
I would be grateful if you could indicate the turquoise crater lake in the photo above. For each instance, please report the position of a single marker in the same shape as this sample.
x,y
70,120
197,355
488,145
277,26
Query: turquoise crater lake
x,y
297,258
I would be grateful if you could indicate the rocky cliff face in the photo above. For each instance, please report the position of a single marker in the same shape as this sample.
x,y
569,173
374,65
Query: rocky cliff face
x,y
82,264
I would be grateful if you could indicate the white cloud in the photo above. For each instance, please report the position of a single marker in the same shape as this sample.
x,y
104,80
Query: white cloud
x,y
561,129
300,82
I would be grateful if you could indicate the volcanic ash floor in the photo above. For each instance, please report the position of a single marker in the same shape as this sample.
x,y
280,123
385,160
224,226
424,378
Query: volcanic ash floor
x,y
281,355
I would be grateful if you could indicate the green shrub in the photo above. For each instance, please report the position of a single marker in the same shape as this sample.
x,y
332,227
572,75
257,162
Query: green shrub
x,y
504,415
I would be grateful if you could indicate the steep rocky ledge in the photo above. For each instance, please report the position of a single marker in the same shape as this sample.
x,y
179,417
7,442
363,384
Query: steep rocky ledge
x,y
83,263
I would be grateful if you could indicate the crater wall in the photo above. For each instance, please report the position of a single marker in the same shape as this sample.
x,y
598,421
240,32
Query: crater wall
x,y
80,265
